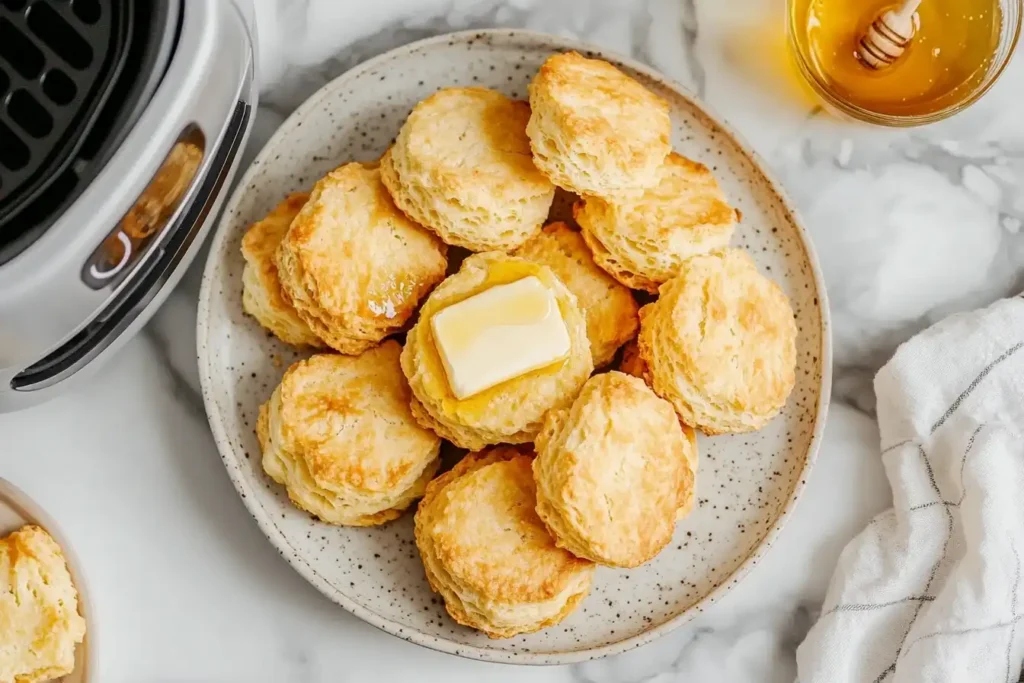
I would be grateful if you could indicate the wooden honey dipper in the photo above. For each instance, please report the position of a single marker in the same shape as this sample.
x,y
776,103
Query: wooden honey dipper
x,y
888,36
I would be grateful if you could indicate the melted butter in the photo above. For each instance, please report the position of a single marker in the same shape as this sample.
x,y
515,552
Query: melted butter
x,y
499,334
529,309
473,407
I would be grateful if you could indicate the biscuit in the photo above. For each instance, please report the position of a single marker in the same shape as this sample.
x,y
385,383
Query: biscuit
x,y
487,552
39,620
593,129
610,308
353,265
461,166
510,412
338,435
261,288
611,472
720,344
643,240
633,364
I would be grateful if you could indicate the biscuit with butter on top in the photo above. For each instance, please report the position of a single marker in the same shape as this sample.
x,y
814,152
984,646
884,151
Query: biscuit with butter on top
x,y
338,435
39,620
612,472
353,266
719,343
461,166
593,129
643,240
261,288
610,308
510,412
487,553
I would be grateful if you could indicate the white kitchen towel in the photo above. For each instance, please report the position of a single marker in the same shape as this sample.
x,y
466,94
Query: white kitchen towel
x,y
932,589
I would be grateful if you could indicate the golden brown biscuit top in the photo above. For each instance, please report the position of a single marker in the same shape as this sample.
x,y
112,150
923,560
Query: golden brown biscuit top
x,y
610,308
632,363
473,142
263,237
598,104
355,245
487,534
348,416
39,619
614,467
734,331
685,203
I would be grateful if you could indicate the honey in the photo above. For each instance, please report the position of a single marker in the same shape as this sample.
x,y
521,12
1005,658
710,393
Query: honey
x,y
947,61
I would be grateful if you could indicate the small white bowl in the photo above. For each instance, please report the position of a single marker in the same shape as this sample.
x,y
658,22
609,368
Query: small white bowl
x,y
17,510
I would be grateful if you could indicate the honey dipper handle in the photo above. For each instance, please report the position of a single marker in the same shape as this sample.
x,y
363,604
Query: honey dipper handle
x,y
888,36
908,8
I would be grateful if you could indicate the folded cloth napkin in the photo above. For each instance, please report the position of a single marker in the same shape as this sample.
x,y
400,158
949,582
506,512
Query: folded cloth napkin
x,y
932,589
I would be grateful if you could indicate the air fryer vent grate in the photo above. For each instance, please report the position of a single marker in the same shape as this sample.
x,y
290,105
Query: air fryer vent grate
x,y
58,61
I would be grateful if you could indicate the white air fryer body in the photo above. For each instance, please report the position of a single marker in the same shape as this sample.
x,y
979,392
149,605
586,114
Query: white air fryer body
x,y
94,277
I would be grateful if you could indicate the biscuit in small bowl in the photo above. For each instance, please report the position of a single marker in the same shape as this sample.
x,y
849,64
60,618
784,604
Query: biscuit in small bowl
x,y
39,621
593,129
338,435
487,553
612,472
261,287
719,343
352,265
643,240
461,166
610,308
510,411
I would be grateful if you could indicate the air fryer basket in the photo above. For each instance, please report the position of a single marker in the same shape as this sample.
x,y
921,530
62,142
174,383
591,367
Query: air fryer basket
x,y
73,78
60,69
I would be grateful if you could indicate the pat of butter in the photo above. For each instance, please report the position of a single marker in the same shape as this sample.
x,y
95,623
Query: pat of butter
x,y
501,333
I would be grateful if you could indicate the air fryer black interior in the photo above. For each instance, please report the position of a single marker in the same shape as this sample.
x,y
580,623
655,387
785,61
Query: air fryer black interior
x,y
86,69
61,65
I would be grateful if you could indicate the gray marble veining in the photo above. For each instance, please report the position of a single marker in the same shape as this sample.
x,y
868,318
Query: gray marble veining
x,y
909,226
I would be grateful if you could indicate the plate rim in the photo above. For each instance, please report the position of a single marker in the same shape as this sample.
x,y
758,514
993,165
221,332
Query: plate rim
x,y
403,631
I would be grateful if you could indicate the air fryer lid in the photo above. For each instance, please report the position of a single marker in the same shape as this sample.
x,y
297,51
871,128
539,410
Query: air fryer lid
x,y
66,98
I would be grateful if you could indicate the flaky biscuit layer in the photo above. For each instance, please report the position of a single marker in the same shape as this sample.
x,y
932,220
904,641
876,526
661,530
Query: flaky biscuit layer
x,y
261,288
461,166
643,240
612,472
39,620
593,129
353,266
510,412
719,343
487,552
338,435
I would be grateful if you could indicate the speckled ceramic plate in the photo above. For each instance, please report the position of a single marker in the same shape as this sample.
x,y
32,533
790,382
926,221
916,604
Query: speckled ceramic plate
x,y
747,484
17,510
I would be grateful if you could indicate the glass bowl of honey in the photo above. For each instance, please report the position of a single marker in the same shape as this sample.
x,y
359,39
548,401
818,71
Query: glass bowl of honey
x,y
957,52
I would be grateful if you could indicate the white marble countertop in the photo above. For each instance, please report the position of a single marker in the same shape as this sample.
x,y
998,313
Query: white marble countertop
x,y
909,225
